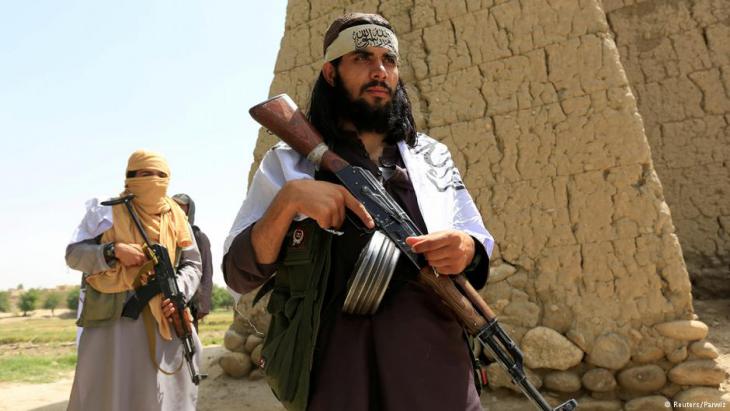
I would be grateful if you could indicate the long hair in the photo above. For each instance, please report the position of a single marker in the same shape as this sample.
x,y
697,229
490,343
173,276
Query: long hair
x,y
325,113
326,110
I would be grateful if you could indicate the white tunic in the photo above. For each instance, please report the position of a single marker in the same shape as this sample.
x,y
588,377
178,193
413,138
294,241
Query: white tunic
x,y
114,371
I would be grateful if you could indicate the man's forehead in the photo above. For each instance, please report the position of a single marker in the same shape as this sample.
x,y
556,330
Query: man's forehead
x,y
372,50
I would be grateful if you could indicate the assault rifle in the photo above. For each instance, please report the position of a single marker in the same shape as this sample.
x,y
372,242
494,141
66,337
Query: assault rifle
x,y
163,281
282,117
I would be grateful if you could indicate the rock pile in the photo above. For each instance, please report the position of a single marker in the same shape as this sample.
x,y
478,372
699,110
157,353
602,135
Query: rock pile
x,y
244,339
641,369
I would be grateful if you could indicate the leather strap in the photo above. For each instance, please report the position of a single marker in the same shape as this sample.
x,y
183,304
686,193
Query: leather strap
x,y
151,327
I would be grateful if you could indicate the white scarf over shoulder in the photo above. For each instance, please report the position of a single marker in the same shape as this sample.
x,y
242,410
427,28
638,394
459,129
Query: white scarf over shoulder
x,y
442,198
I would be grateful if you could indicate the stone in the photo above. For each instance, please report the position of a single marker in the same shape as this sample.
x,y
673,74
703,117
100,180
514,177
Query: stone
x,y
599,380
256,374
650,403
578,339
252,318
678,355
500,272
251,342
236,364
256,355
605,396
647,354
546,348
498,377
521,313
610,351
591,404
240,326
644,378
685,330
562,381
670,390
697,372
700,399
704,350
233,341
559,317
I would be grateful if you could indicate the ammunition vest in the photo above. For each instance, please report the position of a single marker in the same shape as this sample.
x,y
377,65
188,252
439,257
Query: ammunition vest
x,y
295,306
103,309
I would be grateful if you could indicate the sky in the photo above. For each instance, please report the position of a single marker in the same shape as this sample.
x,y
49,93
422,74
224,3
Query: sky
x,y
83,84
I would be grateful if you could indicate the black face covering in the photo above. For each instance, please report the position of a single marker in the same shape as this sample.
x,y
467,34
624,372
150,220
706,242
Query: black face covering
x,y
378,119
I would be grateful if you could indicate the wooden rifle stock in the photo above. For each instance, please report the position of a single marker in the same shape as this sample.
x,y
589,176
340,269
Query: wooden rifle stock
x,y
281,116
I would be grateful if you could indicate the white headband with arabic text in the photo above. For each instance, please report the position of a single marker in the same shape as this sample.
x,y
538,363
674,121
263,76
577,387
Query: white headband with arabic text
x,y
360,37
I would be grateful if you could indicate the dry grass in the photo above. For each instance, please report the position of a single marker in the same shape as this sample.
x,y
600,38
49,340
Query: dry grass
x,y
40,348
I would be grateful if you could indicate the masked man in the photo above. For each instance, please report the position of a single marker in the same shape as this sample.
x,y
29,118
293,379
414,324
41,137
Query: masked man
x,y
411,353
127,364
200,303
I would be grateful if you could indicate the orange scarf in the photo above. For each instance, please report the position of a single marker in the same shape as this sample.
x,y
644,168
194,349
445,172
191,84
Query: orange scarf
x,y
163,221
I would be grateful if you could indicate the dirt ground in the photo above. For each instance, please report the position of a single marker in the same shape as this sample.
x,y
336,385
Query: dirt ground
x,y
221,393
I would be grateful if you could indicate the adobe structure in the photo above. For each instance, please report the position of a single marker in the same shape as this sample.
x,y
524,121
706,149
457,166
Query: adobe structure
x,y
677,58
550,108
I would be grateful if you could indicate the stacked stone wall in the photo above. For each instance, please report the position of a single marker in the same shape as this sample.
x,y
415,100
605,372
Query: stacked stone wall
x,y
677,59
533,101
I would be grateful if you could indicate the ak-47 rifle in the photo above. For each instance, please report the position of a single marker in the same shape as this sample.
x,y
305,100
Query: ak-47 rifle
x,y
282,117
163,282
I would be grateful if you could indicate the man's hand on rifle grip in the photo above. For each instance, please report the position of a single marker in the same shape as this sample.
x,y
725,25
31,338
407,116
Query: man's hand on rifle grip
x,y
169,311
448,251
130,255
324,202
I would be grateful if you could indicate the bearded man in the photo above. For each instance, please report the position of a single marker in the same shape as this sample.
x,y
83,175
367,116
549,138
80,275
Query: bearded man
x,y
124,363
411,353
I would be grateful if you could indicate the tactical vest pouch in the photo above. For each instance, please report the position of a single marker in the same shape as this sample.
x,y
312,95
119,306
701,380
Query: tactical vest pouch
x,y
101,309
295,306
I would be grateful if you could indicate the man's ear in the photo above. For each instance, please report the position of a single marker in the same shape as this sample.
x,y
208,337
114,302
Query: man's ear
x,y
329,72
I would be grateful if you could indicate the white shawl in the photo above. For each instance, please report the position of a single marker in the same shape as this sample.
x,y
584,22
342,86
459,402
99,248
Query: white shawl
x,y
442,198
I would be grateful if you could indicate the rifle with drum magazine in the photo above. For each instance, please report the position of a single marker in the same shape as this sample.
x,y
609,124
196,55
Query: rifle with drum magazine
x,y
163,281
283,118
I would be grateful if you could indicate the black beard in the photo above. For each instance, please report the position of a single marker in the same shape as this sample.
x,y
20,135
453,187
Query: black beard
x,y
364,117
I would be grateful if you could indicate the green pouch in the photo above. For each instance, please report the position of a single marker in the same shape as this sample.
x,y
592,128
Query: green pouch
x,y
101,309
295,306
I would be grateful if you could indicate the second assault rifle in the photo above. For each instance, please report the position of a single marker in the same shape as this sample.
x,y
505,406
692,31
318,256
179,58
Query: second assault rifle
x,y
163,282
282,117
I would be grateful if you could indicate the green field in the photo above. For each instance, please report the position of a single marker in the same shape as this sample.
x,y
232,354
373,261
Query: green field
x,y
42,349
35,368
214,327
37,330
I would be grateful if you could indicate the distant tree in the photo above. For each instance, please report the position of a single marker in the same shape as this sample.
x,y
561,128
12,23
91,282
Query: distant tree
x,y
52,301
4,301
220,298
20,286
72,299
28,301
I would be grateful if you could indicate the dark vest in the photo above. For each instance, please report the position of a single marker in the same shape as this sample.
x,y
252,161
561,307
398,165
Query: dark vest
x,y
295,306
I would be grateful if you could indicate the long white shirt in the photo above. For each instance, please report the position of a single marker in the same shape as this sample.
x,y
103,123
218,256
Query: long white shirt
x,y
443,199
